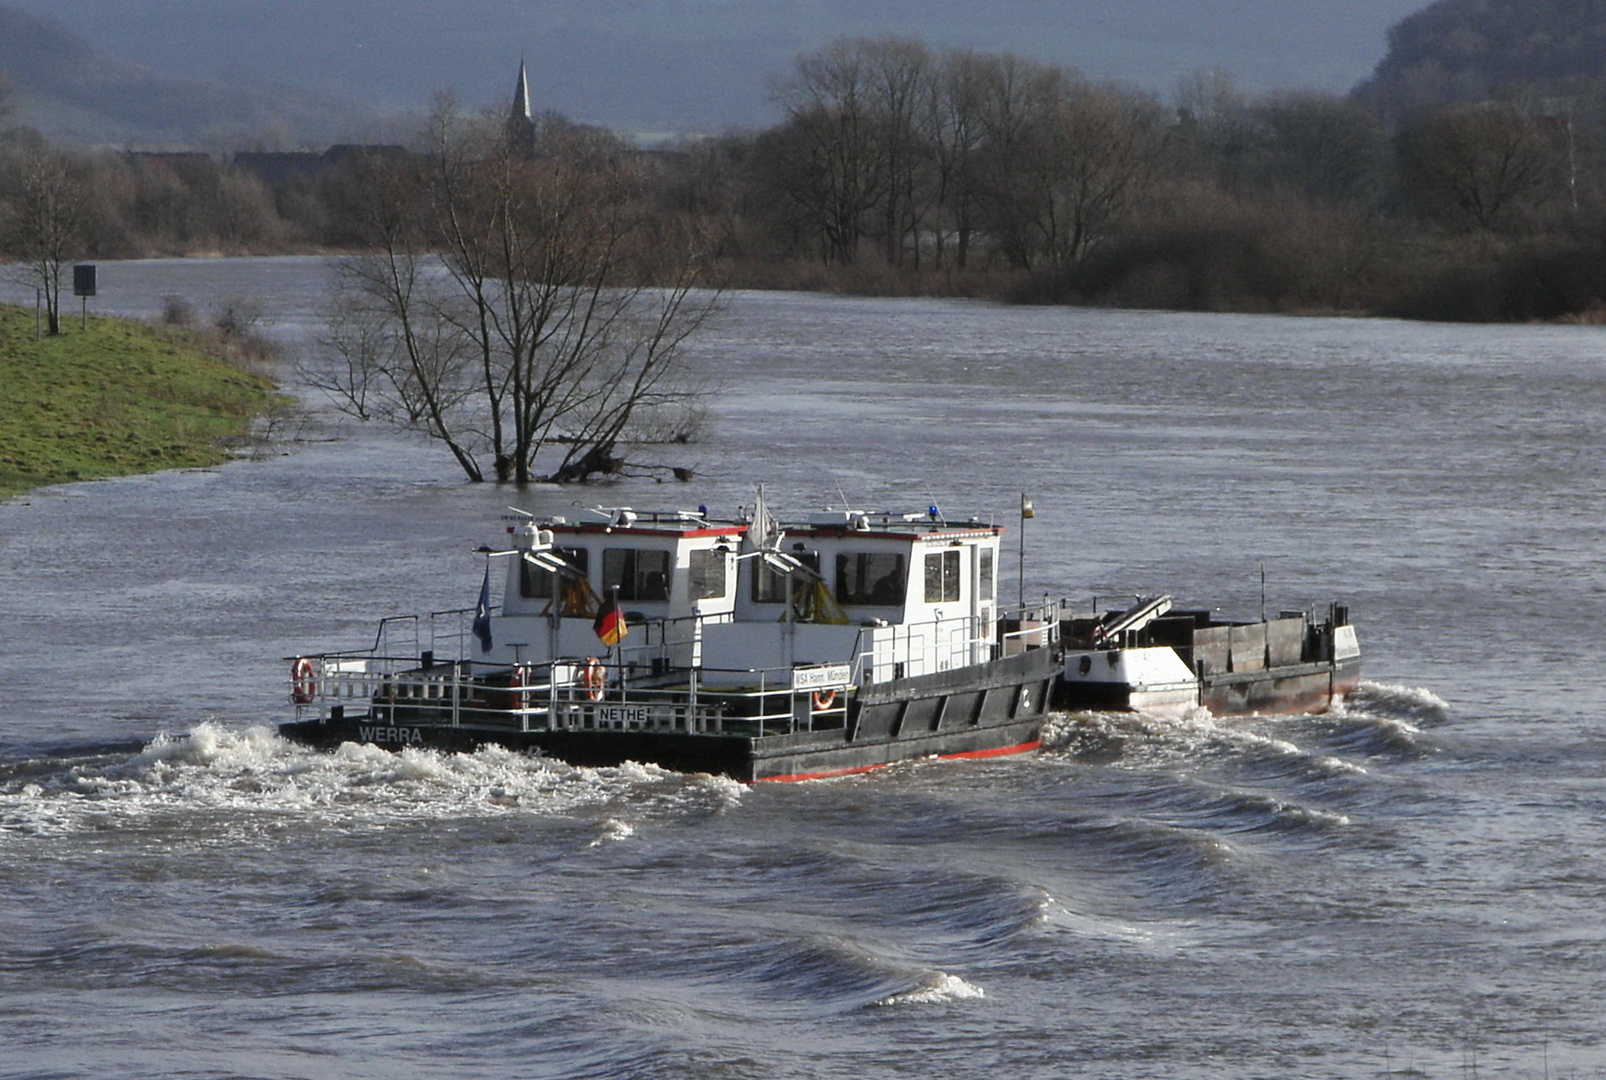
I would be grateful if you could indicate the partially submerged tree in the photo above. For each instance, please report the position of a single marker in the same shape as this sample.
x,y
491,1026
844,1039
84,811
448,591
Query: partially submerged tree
x,y
518,305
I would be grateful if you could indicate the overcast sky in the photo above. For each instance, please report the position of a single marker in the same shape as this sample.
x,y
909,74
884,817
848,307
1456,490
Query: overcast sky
x,y
701,64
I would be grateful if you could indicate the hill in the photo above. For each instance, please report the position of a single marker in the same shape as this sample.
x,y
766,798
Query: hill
x,y
70,91
668,65
1458,51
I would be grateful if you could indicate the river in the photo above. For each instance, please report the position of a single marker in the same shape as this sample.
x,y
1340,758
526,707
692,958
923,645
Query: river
x,y
1414,882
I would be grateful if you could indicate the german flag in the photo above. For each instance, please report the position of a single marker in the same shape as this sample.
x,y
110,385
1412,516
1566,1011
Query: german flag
x,y
610,623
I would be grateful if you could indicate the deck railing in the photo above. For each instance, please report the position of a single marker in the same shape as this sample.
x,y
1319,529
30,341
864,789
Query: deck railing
x,y
627,692
566,695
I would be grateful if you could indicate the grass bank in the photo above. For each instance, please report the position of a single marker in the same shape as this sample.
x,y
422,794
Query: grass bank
x,y
115,399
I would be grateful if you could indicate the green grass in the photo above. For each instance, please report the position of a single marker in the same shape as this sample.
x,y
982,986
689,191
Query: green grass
x,y
116,399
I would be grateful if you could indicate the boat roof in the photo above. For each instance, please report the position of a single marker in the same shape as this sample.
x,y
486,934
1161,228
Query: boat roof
x,y
890,525
689,524
684,524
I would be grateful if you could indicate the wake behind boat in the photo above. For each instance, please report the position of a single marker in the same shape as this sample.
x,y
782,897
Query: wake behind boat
x,y
762,651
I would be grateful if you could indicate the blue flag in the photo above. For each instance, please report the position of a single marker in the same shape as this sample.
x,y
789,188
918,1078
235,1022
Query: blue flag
x,y
482,613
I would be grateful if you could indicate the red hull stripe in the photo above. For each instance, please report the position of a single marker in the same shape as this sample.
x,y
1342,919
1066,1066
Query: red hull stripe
x,y
970,755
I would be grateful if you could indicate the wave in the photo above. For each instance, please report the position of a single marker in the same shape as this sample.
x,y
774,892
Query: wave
x,y
937,988
1139,740
1377,721
831,969
214,768
1414,703
612,831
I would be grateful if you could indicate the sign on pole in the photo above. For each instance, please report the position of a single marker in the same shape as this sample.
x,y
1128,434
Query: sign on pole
x,y
83,284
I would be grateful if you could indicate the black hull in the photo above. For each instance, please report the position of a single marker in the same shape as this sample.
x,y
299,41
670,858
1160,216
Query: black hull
x,y
981,711
1280,690
1292,689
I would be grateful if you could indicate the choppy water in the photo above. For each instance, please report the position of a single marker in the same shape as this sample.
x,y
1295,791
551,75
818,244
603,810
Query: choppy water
x,y
1414,882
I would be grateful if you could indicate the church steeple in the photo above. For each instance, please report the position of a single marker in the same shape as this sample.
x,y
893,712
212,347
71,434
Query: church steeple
x,y
521,96
520,121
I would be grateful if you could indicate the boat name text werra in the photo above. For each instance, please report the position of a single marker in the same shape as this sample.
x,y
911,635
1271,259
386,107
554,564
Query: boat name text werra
x,y
408,736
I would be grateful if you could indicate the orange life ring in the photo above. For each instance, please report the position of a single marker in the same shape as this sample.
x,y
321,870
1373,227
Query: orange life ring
x,y
591,677
303,681
823,699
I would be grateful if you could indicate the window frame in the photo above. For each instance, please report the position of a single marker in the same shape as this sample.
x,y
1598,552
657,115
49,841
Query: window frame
x,y
859,573
622,567
943,576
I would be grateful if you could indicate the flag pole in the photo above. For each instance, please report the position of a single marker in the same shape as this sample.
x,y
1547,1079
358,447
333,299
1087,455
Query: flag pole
x,y
613,600
1026,511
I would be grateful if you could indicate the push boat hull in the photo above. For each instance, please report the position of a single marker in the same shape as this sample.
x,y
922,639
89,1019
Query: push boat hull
x,y
998,708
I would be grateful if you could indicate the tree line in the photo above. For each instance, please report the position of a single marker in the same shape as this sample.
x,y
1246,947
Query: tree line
x,y
895,167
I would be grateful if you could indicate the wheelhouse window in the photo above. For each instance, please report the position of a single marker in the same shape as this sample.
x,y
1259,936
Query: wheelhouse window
x,y
769,586
708,571
638,573
870,577
572,592
989,583
942,576
538,584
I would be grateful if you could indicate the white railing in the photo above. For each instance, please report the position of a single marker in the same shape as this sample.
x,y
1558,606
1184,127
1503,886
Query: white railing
x,y
568,695
637,689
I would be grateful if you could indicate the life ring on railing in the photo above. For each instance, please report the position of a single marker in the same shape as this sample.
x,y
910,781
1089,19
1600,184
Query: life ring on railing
x,y
591,678
823,700
303,681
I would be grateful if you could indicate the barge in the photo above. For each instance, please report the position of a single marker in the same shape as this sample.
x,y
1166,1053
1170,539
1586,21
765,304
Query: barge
x,y
827,646
1155,658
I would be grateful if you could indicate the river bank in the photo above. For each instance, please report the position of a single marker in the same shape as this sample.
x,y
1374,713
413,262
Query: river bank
x,y
114,397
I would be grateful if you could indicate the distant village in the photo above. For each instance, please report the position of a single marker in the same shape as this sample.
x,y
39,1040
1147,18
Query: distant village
x,y
278,167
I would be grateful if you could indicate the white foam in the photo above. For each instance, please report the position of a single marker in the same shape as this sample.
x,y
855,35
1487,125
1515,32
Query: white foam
x,y
935,989
614,830
1199,730
216,768
1415,701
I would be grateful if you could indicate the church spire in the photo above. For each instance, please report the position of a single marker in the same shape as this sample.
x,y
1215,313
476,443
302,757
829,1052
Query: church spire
x,y
521,96
520,121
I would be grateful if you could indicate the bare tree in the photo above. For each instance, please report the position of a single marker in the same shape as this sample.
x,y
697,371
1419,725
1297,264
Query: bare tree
x,y
1014,95
952,139
1324,146
1066,160
1488,166
829,157
899,79
1215,130
515,305
42,222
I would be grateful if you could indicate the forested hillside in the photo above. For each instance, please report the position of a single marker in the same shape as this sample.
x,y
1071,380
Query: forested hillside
x,y
1463,51
63,85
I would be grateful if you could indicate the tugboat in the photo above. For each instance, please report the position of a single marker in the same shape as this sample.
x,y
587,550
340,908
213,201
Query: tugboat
x,y
831,646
